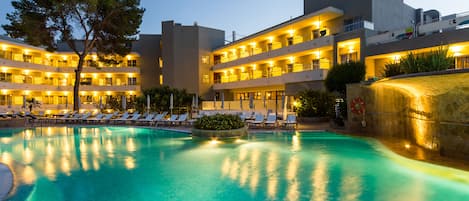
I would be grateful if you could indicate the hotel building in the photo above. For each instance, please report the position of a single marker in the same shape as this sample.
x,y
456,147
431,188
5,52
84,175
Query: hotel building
x,y
267,65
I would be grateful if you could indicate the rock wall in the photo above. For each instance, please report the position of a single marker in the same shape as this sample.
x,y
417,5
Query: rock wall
x,y
431,111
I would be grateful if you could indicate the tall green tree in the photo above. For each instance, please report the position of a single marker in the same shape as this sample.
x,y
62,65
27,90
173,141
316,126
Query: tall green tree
x,y
106,27
342,74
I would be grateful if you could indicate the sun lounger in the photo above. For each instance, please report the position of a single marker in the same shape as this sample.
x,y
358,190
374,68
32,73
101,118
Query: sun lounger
x,y
123,118
159,118
291,121
181,120
259,120
95,119
134,118
271,120
171,119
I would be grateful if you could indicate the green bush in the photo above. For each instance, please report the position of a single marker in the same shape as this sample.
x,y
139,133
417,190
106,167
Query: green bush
x,y
219,122
315,104
392,69
160,99
435,60
342,74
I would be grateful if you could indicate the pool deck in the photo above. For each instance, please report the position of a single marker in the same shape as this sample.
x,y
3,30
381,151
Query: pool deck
x,y
6,181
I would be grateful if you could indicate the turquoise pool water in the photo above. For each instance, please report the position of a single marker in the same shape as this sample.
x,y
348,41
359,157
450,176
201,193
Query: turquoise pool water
x,y
112,163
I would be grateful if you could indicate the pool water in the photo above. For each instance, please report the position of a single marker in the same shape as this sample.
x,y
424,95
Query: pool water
x,y
117,163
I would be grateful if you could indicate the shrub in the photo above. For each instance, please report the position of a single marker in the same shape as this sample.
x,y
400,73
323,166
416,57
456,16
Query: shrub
x,y
219,122
435,60
342,74
392,69
315,104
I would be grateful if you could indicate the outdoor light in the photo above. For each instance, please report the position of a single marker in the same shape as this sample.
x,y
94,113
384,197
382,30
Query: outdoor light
x,y
407,146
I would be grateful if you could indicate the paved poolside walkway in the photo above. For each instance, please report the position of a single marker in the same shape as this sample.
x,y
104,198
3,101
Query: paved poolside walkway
x,y
6,181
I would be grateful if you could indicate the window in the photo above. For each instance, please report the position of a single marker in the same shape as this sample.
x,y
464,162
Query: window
x,y
462,62
5,99
350,57
289,68
27,58
48,99
108,81
206,60
132,63
86,99
131,81
290,41
316,64
269,46
217,59
160,62
85,81
48,80
161,80
62,99
315,34
91,63
5,77
206,79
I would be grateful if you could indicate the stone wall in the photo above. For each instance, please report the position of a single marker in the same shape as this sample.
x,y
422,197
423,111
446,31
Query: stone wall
x,y
431,111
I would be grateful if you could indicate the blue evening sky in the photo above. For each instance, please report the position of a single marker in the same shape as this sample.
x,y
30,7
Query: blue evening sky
x,y
243,16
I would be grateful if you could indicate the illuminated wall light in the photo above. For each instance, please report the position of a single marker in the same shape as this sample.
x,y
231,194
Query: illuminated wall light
x,y
82,75
242,48
254,67
47,56
64,57
231,71
242,69
396,57
95,93
271,63
108,93
4,70
66,93
351,49
26,72
26,92
271,39
131,92
317,24
94,57
48,93
131,75
66,75
26,51
4,91
4,47
253,44
317,54
291,32
108,75
225,72
95,75
456,49
48,74
291,59
129,57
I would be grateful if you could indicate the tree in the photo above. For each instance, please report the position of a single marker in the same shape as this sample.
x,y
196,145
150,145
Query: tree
x,y
104,26
315,103
160,99
342,74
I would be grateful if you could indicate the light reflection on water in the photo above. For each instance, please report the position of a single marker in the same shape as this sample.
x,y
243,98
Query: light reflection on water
x,y
108,163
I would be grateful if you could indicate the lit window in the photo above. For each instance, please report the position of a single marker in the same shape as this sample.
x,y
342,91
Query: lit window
x,y
161,79
205,60
160,62
206,79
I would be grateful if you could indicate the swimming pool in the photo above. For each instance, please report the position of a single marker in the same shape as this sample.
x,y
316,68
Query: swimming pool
x,y
117,163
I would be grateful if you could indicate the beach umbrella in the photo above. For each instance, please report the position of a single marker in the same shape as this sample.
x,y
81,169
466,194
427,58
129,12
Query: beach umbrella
x,y
9,102
24,101
222,101
100,102
197,101
214,102
171,103
148,103
124,103
193,102
264,101
251,101
241,102
284,104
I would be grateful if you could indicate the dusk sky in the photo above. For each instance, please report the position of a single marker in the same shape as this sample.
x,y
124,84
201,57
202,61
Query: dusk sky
x,y
243,16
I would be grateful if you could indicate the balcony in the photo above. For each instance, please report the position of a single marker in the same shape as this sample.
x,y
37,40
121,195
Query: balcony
x,y
293,77
110,88
296,48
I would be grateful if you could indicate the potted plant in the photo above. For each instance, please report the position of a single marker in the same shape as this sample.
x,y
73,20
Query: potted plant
x,y
219,126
